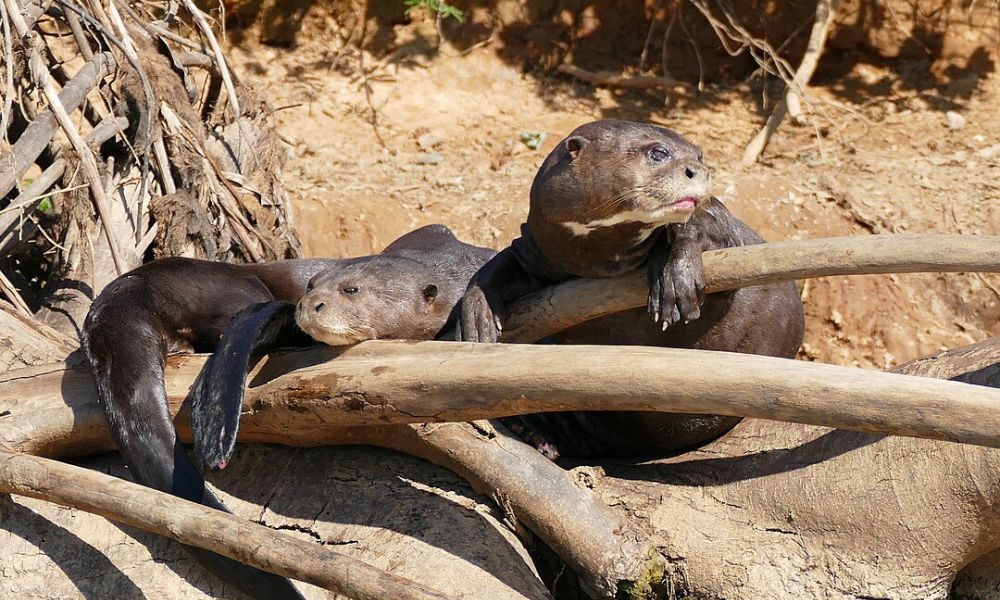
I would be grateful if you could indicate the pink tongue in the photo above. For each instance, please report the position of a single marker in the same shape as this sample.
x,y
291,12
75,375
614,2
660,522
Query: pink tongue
x,y
684,203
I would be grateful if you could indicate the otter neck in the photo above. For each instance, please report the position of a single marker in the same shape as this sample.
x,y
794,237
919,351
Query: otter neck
x,y
600,252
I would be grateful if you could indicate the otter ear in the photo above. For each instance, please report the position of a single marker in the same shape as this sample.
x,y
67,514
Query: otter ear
x,y
430,292
574,144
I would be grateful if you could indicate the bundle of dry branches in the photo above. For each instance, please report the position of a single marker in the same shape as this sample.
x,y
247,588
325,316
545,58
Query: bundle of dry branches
x,y
125,135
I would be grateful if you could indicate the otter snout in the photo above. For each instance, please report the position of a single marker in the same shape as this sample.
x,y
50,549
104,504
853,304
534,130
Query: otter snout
x,y
695,171
312,305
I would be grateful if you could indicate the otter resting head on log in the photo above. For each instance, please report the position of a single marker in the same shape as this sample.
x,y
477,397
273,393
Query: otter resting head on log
x,y
612,197
176,305
408,291
185,305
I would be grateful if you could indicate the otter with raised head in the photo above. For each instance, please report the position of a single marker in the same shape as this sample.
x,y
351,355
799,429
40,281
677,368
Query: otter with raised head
x,y
407,291
613,197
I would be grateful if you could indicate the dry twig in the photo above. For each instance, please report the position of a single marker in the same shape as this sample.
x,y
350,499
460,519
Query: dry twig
x,y
41,75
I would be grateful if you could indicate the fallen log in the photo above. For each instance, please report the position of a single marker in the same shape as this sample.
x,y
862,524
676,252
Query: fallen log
x,y
780,510
597,542
559,307
301,394
197,525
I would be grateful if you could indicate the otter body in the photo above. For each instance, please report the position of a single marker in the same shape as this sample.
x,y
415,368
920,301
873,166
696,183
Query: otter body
x,y
241,311
613,197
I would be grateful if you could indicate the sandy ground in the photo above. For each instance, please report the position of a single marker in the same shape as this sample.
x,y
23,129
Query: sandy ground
x,y
878,156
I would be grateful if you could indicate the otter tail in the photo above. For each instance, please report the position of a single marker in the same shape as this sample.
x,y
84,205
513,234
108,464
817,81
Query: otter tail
x,y
127,353
218,392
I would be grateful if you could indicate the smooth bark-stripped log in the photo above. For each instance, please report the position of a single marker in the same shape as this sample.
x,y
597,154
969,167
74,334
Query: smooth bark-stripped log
x,y
562,306
779,510
379,382
196,525
596,543
975,363
606,551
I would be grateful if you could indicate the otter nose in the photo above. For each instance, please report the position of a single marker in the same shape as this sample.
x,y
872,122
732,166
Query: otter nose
x,y
691,173
318,307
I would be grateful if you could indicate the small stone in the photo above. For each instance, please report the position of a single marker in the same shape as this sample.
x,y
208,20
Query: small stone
x,y
431,158
532,139
429,140
955,120
989,153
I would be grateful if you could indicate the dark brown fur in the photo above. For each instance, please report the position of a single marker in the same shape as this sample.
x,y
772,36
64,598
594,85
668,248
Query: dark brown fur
x,y
171,305
408,291
602,171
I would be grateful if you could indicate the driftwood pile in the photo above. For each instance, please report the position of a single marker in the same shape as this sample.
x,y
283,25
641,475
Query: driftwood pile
x,y
134,133
122,140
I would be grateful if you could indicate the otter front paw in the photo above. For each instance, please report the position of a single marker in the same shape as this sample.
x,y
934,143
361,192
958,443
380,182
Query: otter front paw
x,y
478,320
676,289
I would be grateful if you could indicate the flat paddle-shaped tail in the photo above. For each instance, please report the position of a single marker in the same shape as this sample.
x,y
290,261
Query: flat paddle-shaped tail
x,y
126,349
218,391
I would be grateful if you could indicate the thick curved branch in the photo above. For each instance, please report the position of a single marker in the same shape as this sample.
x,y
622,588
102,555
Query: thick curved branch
x,y
603,548
599,545
560,307
197,525
298,396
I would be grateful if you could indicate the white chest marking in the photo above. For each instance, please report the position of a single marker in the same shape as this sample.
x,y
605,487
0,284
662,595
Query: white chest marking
x,y
654,219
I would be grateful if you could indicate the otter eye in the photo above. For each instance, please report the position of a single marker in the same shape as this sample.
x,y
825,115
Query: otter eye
x,y
350,290
310,286
658,154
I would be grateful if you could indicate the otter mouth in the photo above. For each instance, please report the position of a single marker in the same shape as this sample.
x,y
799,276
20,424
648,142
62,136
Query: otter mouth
x,y
321,329
339,337
685,203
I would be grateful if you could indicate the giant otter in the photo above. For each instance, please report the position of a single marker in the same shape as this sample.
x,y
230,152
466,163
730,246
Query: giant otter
x,y
408,291
176,305
183,305
612,197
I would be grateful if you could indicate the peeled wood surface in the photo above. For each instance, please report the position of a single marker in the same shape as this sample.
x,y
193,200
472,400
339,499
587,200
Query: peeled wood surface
x,y
602,548
559,307
196,525
297,397
392,511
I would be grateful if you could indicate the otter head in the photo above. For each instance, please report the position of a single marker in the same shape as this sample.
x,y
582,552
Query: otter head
x,y
608,186
610,172
378,298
